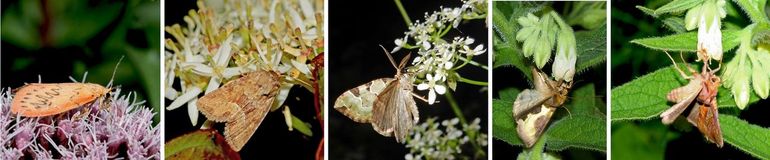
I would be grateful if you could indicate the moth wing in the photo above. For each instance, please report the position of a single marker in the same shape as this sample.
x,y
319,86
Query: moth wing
x,y
357,103
530,127
527,100
706,118
683,97
261,89
37,100
386,108
224,103
406,112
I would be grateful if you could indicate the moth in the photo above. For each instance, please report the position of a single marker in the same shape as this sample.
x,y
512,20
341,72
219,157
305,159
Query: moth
x,y
386,103
702,90
241,104
533,108
45,99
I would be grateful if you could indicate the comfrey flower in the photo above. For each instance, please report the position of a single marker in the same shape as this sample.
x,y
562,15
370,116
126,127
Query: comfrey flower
x,y
222,42
707,17
429,141
747,71
121,130
437,57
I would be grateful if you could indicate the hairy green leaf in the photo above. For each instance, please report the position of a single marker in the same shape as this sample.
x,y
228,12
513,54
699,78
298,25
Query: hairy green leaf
x,y
584,128
687,41
754,9
677,6
200,144
750,138
591,48
645,97
503,126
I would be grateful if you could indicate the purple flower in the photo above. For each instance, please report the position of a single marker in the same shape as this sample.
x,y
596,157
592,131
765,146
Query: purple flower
x,y
114,126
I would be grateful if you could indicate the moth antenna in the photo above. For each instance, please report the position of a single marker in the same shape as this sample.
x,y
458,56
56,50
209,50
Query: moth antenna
x,y
719,66
568,112
392,62
39,79
404,61
676,66
688,64
84,77
115,70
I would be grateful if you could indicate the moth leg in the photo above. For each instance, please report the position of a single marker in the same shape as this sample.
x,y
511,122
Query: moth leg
x,y
420,97
681,73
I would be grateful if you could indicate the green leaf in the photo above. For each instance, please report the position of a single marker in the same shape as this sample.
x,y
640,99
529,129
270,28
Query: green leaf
x,y
591,48
583,129
645,141
580,131
207,144
645,97
647,11
506,55
675,24
754,9
503,126
686,41
745,136
677,6
301,126
583,102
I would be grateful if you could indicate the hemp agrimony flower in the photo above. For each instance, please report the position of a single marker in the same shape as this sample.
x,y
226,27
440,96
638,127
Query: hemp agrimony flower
x,y
122,129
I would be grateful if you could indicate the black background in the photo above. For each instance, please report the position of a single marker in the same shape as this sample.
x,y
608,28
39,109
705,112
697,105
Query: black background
x,y
356,28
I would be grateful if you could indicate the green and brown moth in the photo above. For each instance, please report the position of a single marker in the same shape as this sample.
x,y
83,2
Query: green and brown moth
x,y
386,103
533,108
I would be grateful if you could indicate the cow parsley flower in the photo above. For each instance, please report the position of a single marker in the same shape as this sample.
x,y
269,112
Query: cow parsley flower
x,y
443,140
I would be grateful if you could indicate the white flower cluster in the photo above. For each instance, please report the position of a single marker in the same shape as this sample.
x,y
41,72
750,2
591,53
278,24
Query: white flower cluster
x,y
223,40
436,57
428,141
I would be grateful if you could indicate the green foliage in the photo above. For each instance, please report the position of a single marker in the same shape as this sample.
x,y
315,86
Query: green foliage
x,y
207,144
645,97
686,41
583,128
581,124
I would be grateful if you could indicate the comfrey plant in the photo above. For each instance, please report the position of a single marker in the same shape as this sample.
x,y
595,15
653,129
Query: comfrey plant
x,y
435,69
119,127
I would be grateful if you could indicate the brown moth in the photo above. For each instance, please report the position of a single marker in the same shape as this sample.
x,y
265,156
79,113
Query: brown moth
x,y
386,103
533,108
702,89
241,104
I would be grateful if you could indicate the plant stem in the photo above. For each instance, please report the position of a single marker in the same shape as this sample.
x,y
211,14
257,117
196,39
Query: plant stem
x,y
403,13
472,62
456,108
459,113
473,82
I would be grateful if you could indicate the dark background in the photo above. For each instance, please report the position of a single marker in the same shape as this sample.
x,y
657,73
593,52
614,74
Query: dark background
x,y
510,77
272,138
356,28
83,36
630,61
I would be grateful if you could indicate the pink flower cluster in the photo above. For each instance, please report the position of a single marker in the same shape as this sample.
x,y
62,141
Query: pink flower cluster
x,y
118,127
